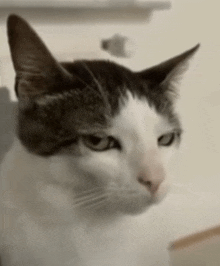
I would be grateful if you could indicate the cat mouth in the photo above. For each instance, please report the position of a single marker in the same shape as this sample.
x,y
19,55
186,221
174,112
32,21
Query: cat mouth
x,y
158,198
133,205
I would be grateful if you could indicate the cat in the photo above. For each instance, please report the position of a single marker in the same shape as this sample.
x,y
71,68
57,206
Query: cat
x,y
93,141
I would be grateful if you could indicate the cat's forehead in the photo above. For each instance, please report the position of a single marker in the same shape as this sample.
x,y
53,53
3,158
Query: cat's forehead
x,y
139,118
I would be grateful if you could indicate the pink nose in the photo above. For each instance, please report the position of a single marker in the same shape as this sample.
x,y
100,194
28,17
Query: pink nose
x,y
152,178
151,186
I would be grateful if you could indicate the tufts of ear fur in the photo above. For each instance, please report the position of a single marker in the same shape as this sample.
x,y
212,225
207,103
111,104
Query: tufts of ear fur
x,y
166,74
35,67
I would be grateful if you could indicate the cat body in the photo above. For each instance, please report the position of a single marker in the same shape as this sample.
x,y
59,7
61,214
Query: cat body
x,y
92,146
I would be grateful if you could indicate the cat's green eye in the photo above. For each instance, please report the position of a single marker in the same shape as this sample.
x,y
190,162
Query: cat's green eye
x,y
100,142
167,139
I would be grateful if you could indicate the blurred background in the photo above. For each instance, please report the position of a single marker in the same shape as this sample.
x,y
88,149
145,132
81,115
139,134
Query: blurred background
x,y
139,34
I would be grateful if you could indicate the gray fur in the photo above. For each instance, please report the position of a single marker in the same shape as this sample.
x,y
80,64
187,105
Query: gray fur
x,y
59,101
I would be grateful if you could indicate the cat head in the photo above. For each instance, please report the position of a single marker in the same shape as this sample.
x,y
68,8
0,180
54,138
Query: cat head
x,y
107,131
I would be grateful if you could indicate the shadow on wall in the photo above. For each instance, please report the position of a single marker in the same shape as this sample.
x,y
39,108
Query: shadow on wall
x,y
7,115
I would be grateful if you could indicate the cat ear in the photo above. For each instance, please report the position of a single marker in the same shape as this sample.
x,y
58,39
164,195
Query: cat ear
x,y
35,67
169,72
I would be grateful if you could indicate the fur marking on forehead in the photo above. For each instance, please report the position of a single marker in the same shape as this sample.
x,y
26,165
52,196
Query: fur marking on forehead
x,y
136,114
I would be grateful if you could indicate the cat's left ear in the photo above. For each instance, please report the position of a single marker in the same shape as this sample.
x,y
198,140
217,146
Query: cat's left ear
x,y
167,73
37,71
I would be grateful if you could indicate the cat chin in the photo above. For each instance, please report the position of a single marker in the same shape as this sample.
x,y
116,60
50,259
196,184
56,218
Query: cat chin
x,y
135,211
143,205
162,193
134,207
138,204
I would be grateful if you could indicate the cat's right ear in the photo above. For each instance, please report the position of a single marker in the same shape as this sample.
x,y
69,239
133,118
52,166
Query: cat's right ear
x,y
35,67
166,74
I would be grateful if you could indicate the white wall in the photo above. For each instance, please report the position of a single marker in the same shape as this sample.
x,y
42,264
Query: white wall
x,y
194,202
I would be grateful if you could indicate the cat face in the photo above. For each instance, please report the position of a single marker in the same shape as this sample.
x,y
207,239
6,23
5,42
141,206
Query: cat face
x,y
123,167
105,131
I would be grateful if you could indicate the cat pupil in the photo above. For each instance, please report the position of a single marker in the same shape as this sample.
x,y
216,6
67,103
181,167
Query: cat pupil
x,y
167,139
96,143
99,143
95,140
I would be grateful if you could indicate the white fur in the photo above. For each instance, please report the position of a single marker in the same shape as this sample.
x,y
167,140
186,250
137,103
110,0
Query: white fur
x,y
81,209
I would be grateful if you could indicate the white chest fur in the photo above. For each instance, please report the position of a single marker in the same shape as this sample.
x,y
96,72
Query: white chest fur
x,y
121,244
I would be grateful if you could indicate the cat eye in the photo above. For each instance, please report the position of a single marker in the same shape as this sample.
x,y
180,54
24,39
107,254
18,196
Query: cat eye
x,y
100,142
167,139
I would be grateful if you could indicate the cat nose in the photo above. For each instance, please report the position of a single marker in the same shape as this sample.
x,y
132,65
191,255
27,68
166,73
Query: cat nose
x,y
152,179
151,186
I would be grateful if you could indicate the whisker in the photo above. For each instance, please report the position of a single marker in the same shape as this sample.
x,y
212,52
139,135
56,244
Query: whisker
x,y
87,197
93,76
87,85
89,191
96,205
106,102
89,200
122,190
